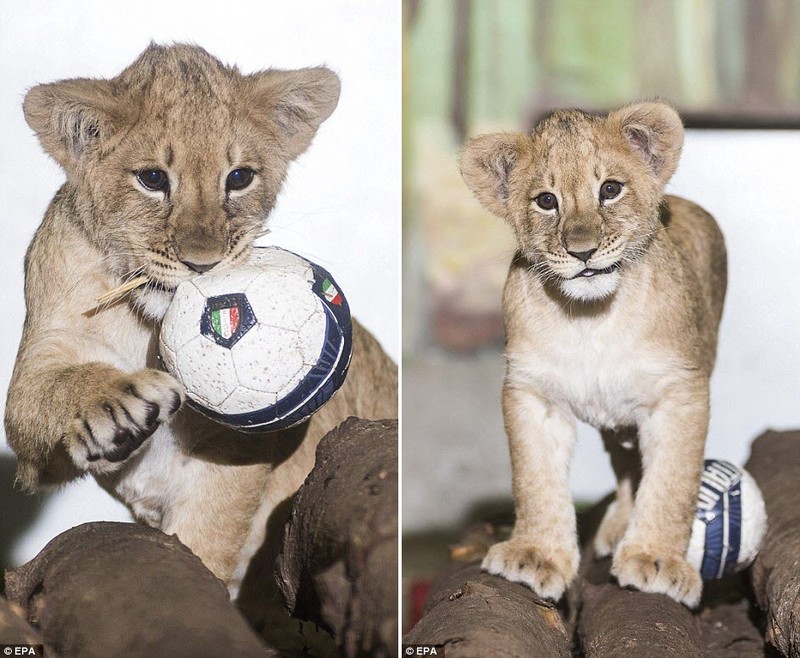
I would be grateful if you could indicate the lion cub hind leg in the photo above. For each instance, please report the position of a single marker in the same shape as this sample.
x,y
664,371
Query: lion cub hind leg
x,y
120,411
543,549
622,448
652,554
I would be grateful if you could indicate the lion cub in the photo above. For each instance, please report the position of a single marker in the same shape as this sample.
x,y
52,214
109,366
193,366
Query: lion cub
x,y
171,169
611,309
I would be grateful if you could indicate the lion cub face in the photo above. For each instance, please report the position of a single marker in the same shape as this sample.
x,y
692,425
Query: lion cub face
x,y
582,192
182,157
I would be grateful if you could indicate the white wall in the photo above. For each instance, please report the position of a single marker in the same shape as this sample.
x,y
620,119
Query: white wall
x,y
748,181
341,205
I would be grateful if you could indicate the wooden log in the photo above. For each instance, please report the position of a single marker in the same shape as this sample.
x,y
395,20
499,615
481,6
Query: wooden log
x,y
611,621
474,614
775,464
729,623
338,563
122,589
620,622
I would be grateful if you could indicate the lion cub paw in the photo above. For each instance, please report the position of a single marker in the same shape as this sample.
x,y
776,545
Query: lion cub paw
x,y
643,570
612,529
111,424
547,575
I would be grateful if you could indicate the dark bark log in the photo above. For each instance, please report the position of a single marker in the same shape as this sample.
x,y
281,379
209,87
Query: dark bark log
x,y
121,589
619,622
474,614
729,625
775,464
338,564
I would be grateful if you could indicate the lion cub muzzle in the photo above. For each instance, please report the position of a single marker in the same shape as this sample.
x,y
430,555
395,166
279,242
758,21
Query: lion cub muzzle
x,y
201,246
581,237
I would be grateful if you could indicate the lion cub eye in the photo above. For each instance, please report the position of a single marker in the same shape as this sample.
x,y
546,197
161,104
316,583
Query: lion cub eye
x,y
611,189
239,179
154,180
546,201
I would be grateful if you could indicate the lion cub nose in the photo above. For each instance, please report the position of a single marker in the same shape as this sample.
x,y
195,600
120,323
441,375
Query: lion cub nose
x,y
199,267
582,255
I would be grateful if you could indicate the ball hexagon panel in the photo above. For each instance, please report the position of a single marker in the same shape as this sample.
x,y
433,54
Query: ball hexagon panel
x,y
221,282
270,258
282,300
243,400
311,336
268,359
181,321
207,371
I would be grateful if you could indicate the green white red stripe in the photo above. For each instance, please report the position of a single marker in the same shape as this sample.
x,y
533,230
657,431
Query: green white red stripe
x,y
225,321
331,293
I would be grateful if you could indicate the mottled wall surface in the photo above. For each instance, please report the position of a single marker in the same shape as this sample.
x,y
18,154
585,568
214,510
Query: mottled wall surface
x,y
721,63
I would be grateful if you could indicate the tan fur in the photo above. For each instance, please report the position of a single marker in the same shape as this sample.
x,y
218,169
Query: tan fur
x,y
86,393
629,350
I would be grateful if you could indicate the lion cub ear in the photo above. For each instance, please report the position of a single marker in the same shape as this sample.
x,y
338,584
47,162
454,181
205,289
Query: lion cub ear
x,y
486,163
654,131
72,118
294,102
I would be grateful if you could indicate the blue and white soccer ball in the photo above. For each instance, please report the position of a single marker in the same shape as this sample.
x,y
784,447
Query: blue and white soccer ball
x,y
730,522
259,347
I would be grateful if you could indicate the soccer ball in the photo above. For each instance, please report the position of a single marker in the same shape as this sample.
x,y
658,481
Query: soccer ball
x,y
262,346
730,521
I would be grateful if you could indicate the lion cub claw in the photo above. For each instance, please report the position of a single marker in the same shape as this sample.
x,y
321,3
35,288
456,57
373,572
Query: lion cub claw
x,y
636,567
524,563
112,424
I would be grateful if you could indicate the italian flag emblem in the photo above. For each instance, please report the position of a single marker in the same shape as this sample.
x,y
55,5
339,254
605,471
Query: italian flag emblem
x,y
225,321
331,293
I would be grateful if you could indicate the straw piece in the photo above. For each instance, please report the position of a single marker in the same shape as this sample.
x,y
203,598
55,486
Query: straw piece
x,y
119,291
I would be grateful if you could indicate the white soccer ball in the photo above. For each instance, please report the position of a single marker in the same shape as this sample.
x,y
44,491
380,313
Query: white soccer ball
x,y
262,346
730,522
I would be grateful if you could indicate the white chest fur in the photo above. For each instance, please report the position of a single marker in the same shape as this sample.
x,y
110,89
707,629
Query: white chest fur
x,y
602,368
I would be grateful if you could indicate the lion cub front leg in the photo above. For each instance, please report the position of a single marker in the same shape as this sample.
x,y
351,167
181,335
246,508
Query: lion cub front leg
x,y
543,549
652,554
621,445
113,413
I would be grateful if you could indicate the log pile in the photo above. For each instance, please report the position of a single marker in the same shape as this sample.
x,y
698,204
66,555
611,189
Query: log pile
x,y
749,615
338,565
122,589
775,464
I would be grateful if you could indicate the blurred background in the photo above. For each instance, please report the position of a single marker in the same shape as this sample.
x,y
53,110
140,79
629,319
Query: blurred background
x,y
340,206
732,67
